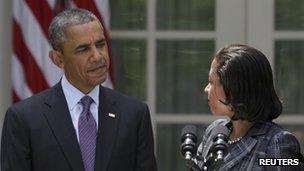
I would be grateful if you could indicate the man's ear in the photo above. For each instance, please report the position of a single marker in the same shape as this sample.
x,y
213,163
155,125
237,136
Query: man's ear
x,y
56,58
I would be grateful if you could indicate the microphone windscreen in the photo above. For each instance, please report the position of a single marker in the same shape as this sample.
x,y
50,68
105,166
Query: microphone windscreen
x,y
220,129
189,129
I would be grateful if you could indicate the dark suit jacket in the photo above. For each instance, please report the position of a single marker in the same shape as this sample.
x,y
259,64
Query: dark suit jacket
x,y
263,140
38,135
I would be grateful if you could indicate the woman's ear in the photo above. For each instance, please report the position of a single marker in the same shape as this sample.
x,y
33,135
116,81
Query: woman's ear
x,y
56,58
231,107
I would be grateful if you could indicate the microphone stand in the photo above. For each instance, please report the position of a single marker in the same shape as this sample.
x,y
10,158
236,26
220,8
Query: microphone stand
x,y
212,163
192,164
216,152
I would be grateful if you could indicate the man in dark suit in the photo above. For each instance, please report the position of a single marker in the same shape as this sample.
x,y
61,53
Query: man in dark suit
x,y
78,124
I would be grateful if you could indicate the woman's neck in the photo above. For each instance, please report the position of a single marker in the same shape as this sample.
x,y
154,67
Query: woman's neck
x,y
239,128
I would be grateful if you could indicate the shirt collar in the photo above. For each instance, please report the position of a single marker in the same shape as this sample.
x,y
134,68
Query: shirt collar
x,y
73,95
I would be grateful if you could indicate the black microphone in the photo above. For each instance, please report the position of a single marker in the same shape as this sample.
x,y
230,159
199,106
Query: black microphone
x,y
188,140
220,142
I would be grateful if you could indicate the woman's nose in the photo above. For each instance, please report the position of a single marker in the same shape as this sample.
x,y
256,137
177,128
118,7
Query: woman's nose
x,y
206,90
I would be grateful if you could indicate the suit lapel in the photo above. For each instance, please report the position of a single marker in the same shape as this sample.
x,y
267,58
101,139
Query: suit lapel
x,y
237,152
246,145
60,121
107,129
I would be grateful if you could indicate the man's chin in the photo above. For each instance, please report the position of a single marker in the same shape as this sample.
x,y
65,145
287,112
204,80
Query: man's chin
x,y
99,80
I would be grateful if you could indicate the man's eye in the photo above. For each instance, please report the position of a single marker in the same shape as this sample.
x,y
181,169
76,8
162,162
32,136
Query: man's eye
x,y
84,49
101,44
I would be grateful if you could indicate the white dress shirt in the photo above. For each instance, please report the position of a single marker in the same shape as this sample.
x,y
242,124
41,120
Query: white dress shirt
x,y
73,97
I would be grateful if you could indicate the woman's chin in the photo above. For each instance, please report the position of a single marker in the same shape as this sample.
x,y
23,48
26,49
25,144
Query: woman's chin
x,y
219,114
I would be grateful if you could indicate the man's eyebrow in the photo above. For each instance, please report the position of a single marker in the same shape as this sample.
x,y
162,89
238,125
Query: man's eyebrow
x,y
85,45
100,41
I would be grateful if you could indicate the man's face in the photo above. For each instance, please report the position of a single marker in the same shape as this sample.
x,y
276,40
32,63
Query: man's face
x,y
85,57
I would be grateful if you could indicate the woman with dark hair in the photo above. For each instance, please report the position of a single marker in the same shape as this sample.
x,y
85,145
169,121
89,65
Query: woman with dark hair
x,y
241,88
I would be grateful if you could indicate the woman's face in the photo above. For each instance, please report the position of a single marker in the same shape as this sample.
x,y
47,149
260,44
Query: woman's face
x,y
216,94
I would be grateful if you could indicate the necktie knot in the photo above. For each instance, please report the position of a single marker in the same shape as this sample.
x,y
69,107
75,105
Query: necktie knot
x,y
86,102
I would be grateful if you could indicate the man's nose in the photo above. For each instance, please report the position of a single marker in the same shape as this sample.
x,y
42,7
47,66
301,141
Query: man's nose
x,y
96,55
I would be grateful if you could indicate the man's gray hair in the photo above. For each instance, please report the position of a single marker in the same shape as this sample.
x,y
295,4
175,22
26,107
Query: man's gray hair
x,y
65,19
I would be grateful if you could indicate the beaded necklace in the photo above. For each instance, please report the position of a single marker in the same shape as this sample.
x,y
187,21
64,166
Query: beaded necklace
x,y
233,141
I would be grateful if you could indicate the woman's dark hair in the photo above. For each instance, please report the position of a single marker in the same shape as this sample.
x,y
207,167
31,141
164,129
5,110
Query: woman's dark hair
x,y
246,76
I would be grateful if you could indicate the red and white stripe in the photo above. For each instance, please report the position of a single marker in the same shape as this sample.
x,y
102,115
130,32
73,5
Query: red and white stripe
x,y
32,70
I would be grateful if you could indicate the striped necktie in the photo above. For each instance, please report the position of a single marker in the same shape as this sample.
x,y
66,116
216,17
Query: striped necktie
x,y
87,134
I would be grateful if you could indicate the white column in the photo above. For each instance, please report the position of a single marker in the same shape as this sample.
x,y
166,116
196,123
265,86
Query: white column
x,y
5,56
151,62
230,22
260,27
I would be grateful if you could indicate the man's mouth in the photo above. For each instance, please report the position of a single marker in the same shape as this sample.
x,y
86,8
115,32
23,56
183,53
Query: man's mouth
x,y
97,68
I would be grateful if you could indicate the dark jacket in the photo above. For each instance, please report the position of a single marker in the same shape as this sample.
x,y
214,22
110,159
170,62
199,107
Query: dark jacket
x,y
263,140
38,135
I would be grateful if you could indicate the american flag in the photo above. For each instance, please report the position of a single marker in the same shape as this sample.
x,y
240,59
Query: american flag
x,y
32,70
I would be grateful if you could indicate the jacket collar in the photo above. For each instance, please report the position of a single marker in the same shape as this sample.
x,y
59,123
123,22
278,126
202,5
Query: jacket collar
x,y
246,145
60,122
109,116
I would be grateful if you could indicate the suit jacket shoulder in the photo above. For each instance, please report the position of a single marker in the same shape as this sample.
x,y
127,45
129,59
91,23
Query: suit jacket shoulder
x,y
38,134
31,103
